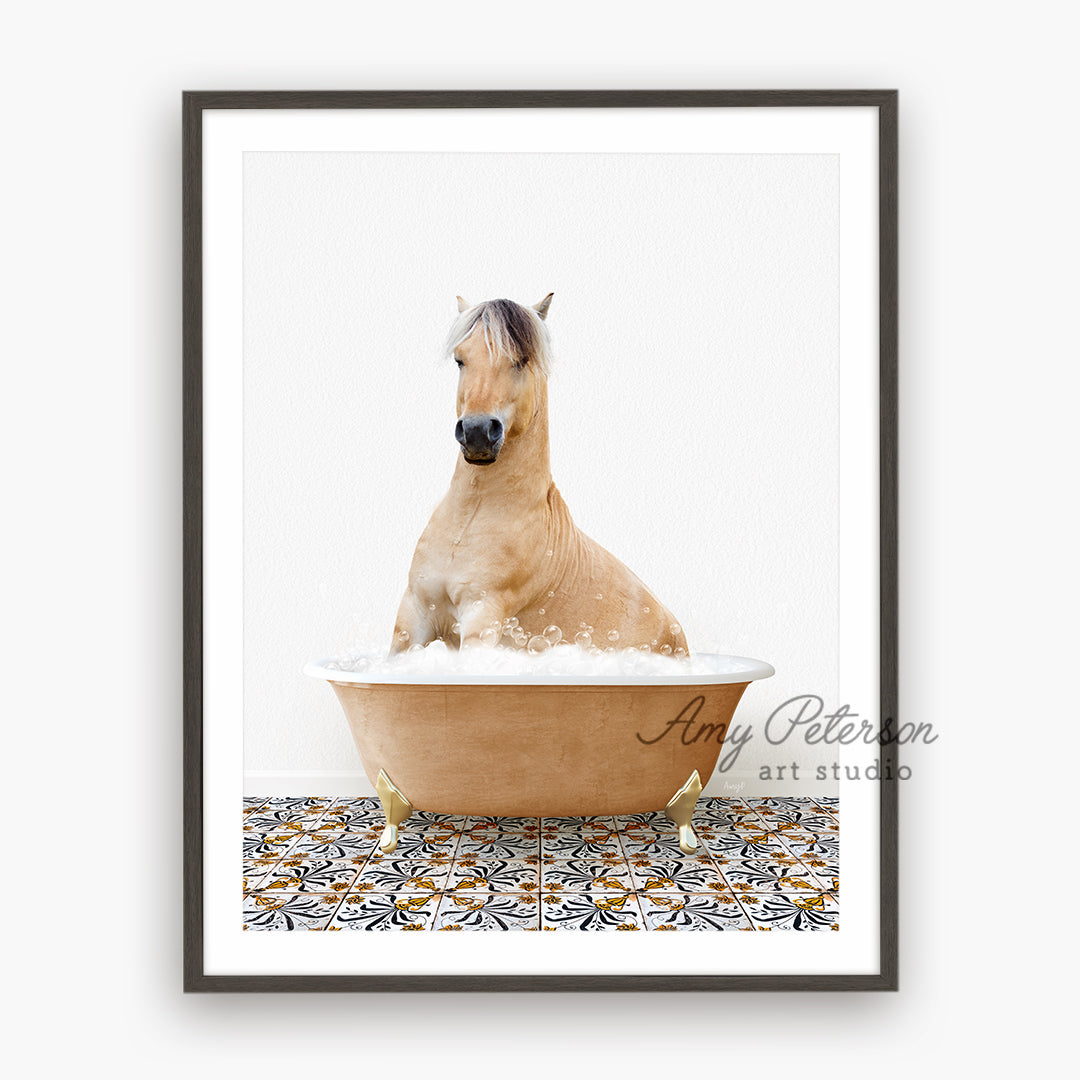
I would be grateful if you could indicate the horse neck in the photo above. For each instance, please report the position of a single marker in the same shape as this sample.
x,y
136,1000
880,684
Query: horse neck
x,y
523,469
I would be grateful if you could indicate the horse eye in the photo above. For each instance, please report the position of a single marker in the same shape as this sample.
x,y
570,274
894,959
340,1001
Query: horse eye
x,y
460,363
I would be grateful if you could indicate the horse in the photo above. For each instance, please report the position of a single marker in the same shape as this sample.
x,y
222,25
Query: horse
x,y
501,560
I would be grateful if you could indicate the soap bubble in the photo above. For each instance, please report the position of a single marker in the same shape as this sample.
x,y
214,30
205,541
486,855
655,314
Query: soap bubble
x,y
403,636
646,609
613,635
676,629
541,611
582,659
510,622
550,552
455,628
431,607
490,636
583,638
599,596
552,593
520,636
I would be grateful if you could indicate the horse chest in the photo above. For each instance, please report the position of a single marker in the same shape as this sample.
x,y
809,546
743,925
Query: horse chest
x,y
466,553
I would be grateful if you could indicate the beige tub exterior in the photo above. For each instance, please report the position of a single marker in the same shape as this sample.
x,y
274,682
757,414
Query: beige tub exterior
x,y
546,749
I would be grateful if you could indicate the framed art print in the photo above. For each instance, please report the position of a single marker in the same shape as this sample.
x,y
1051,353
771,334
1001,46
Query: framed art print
x,y
540,540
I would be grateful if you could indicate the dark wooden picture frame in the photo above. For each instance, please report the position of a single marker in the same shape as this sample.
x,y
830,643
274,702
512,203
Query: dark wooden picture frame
x,y
195,104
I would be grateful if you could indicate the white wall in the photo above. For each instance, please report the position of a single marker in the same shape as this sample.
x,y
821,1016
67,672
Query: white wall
x,y
694,404
91,446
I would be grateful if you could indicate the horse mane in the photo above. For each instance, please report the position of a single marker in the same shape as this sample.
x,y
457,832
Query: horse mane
x,y
510,330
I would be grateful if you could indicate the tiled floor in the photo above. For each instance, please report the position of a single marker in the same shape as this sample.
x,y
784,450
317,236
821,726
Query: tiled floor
x,y
762,864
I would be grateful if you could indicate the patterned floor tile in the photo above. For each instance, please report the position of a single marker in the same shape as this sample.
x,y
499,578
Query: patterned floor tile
x,y
356,803
660,846
579,824
566,844
498,845
587,876
503,824
314,863
801,821
281,821
693,911
829,803
735,845
764,876
757,805
718,802
786,911
385,911
258,845
599,835
827,873
425,821
822,846
487,911
310,876
471,873
744,820
706,831
425,844
283,911
683,875
336,845
354,817
740,824
254,872
390,874
651,821
590,911
303,802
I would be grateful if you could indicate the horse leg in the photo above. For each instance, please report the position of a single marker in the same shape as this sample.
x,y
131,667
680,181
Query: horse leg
x,y
413,625
481,623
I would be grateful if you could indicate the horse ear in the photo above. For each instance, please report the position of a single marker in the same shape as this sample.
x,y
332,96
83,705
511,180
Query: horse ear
x,y
541,309
463,304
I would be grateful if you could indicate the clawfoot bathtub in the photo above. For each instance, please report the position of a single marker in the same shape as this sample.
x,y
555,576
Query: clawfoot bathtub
x,y
541,746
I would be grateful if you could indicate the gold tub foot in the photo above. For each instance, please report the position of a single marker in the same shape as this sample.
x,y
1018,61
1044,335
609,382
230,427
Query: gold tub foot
x,y
396,808
681,810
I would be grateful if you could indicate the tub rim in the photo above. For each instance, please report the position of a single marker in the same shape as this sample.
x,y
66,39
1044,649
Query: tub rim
x,y
749,671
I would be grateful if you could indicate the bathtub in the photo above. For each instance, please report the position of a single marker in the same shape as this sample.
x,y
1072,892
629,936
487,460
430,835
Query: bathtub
x,y
541,746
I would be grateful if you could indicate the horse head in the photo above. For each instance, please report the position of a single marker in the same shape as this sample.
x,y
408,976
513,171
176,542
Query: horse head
x,y
502,351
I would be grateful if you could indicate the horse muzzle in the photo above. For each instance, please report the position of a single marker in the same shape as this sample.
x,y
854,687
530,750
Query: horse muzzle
x,y
481,438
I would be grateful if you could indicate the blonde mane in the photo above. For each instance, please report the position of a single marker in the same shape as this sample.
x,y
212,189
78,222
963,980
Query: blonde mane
x,y
509,330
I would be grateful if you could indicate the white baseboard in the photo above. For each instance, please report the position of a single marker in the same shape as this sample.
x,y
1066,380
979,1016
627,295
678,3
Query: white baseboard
x,y
340,783
297,782
741,785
